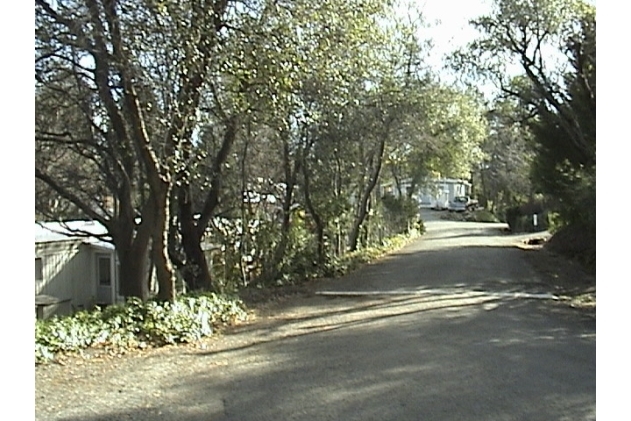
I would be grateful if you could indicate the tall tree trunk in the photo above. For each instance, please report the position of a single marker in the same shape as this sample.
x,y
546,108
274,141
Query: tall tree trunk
x,y
337,192
132,249
245,206
362,211
317,220
412,188
160,174
160,252
271,269
133,272
196,271
397,180
485,193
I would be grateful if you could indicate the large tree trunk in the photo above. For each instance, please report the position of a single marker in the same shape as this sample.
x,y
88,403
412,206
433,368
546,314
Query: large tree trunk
x,y
198,265
132,247
412,188
160,173
195,270
164,268
397,180
133,272
272,267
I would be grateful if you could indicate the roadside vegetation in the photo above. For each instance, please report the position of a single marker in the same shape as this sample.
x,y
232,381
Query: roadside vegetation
x,y
136,325
480,215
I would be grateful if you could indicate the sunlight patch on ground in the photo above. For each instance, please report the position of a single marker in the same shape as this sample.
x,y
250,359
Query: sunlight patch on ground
x,y
508,294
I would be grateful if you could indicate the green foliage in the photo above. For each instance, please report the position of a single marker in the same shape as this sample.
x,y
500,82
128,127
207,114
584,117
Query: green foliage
x,y
577,242
300,257
441,131
520,218
68,334
555,222
400,213
349,262
503,178
554,43
483,215
572,187
135,323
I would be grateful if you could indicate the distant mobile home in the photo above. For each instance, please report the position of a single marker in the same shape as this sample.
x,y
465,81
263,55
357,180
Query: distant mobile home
x,y
437,193
434,193
73,272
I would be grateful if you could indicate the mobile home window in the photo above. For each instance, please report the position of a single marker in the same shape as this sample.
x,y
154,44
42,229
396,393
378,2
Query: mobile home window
x,y
105,274
39,269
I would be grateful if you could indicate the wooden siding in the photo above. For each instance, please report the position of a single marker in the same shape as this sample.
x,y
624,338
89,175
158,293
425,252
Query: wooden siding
x,y
68,272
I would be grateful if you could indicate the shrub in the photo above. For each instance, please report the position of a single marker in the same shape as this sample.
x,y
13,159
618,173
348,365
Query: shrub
x,y
577,242
68,334
520,218
400,213
483,215
126,326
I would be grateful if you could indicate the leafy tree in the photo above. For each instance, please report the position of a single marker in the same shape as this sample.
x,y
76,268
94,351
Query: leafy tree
x,y
443,135
140,68
322,56
504,172
553,43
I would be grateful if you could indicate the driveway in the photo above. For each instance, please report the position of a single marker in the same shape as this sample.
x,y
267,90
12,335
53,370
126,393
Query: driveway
x,y
455,326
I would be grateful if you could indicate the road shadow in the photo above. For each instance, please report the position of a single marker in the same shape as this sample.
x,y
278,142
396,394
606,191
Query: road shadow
x,y
408,363
465,267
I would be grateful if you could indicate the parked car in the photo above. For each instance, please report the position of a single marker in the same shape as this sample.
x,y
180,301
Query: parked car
x,y
462,203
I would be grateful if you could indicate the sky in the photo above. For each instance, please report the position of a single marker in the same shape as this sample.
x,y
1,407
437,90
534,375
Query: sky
x,y
448,20
447,26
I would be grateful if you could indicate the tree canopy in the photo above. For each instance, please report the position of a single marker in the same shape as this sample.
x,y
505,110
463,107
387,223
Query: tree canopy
x,y
225,142
553,43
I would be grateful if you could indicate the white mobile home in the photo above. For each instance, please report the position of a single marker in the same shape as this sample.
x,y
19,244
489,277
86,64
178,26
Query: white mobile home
x,y
433,193
437,193
72,271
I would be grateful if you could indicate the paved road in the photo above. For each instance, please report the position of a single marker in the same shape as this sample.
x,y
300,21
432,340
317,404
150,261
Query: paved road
x,y
438,331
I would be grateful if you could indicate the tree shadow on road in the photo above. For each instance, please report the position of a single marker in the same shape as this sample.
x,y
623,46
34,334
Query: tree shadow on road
x,y
445,348
411,359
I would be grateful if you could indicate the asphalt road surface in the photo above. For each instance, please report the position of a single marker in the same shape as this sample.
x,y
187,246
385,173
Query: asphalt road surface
x,y
456,326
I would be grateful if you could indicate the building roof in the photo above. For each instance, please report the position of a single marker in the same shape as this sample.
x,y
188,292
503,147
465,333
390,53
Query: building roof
x,y
87,232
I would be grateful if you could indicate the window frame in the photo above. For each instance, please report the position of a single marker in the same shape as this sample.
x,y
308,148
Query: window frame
x,y
39,271
99,272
